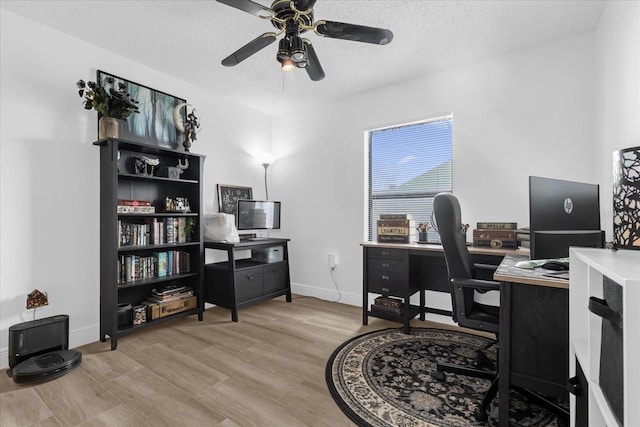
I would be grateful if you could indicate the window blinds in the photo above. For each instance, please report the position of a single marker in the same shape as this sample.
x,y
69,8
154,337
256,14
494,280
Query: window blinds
x,y
408,165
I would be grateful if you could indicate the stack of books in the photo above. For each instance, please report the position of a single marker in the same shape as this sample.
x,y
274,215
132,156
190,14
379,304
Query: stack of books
x,y
135,206
495,235
169,300
170,293
396,228
387,306
523,236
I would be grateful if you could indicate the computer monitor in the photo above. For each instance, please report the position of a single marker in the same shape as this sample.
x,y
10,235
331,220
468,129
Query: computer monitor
x,y
258,215
562,214
556,243
555,204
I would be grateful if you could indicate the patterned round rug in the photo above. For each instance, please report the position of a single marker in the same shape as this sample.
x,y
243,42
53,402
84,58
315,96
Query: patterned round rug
x,y
386,378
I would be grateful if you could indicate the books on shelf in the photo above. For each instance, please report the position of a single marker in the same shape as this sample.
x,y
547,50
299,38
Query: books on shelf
x,y
170,293
128,202
133,267
153,231
135,206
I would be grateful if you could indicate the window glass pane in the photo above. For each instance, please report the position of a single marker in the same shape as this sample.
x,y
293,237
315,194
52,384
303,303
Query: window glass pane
x,y
408,166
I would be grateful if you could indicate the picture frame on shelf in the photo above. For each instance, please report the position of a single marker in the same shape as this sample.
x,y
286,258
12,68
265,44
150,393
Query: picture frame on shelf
x,y
228,196
154,124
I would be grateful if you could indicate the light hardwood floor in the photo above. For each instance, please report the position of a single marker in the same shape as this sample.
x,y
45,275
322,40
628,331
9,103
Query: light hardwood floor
x,y
268,369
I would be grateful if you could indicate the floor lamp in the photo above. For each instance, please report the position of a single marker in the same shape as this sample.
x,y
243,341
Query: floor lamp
x,y
266,159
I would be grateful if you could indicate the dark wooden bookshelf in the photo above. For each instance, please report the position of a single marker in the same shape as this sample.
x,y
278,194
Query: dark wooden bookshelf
x,y
118,180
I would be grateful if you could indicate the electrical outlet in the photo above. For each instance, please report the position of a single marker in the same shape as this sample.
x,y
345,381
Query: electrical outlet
x,y
332,261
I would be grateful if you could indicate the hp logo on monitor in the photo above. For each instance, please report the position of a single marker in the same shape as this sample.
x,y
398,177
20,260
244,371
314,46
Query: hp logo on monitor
x,y
568,205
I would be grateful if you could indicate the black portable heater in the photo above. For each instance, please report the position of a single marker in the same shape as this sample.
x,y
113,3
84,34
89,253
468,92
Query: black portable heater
x,y
39,350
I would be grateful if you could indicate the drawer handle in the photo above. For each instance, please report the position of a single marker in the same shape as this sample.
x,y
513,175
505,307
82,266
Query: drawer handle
x,y
600,308
573,387
385,277
249,276
385,253
385,290
385,265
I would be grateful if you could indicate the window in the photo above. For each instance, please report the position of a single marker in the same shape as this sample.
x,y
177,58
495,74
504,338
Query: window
x,y
408,165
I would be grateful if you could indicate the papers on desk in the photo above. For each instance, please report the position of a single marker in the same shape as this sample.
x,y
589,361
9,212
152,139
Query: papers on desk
x,y
558,274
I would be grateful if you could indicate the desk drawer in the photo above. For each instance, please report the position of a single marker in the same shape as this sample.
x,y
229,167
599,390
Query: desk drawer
x,y
389,265
388,282
249,283
275,277
386,253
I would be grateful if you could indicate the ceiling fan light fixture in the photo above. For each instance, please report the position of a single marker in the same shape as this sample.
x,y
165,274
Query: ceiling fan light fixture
x,y
283,50
288,65
297,49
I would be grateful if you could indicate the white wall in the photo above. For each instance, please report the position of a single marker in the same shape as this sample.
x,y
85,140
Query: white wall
x,y
527,113
617,102
49,169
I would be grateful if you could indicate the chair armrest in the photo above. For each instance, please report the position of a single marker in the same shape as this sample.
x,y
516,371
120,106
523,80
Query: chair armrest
x,y
486,267
480,285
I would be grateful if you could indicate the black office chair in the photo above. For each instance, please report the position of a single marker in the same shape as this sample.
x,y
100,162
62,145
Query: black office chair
x,y
464,282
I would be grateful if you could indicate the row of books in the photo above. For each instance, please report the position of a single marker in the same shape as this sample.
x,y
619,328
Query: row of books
x,y
153,231
396,228
160,264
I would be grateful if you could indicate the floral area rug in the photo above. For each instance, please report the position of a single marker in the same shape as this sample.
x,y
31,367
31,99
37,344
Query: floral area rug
x,y
386,378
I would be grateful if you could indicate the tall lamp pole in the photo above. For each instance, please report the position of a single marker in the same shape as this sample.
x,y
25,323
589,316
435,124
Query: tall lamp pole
x,y
266,159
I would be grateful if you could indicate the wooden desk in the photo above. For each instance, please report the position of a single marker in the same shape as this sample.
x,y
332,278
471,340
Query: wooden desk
x,y
534,332
401,270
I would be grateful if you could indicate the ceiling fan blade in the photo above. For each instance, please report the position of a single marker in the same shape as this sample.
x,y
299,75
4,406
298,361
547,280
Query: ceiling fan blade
x,y
314,69
250,7
303,5
249,49
357,33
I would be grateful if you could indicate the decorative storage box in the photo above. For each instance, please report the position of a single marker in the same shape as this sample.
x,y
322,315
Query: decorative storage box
x,y
158,310
268,255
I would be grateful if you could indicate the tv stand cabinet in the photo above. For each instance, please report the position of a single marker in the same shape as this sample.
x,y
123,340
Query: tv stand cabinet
x,y
237,283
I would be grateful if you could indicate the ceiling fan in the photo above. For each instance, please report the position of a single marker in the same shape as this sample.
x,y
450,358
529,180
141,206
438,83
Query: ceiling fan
x,y
293,18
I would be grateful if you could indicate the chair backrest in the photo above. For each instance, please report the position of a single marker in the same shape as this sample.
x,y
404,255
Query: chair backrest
x,y
446,209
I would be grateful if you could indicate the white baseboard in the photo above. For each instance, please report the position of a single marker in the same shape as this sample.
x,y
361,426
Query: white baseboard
x,y
327,294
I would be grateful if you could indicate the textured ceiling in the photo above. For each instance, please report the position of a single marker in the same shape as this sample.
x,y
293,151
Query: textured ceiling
x,y
188,39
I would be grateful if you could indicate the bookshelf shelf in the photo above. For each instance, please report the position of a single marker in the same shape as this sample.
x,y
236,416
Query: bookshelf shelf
x,y
121,266
155,280
136,248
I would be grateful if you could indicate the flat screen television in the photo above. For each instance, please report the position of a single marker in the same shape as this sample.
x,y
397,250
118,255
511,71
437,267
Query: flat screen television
x,y
563,214
258,215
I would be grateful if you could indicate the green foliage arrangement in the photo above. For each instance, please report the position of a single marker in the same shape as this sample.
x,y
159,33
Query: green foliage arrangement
x,y
108,102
